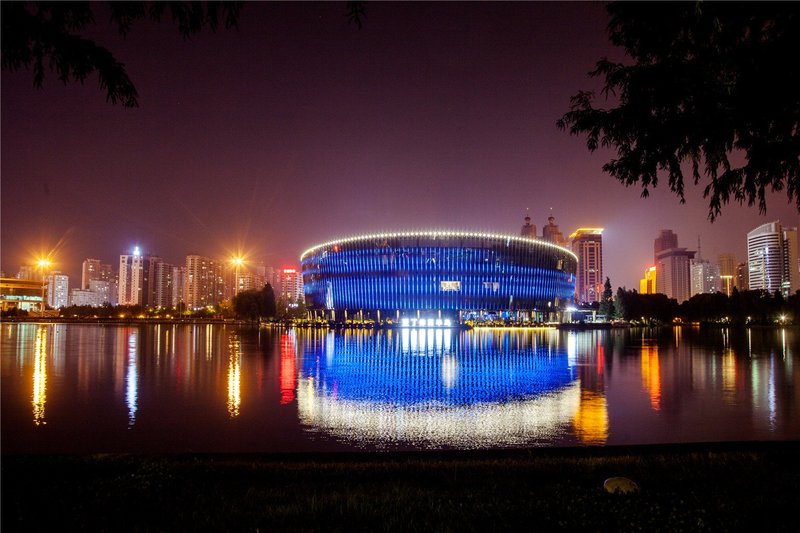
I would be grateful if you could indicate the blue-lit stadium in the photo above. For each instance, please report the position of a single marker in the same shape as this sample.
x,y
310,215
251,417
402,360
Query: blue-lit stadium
x,y
448,275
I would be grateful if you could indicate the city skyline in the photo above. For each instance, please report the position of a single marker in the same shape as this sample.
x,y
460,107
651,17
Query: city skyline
x,y
298,128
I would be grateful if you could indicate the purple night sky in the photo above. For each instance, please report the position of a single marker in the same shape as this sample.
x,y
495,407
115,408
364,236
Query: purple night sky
x,y
298,128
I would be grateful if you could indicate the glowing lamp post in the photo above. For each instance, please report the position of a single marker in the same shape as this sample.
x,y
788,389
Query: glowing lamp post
x,y
237,265
43,264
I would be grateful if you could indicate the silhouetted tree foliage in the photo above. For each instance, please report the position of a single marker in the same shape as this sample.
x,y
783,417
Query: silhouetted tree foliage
x,y
649,308
607,300
46,36
710,84
254,304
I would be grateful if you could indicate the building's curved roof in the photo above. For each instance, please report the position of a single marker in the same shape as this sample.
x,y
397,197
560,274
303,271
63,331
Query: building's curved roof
x,y
436,234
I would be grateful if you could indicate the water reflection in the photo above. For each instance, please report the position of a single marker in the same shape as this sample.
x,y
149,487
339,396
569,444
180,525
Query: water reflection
x,y
651,375
132,377
288,371
222,388
40,375
437,387
234,375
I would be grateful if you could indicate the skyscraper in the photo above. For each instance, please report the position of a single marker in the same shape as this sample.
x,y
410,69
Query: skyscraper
x,y
587,244
136,277
57,290
772,258
705,277
130,278
528,229
205,284
647,285
94,269
665,240
292,285
551,233
672,267
741,279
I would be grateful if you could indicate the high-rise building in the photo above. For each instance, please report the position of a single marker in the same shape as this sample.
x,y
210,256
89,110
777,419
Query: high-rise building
x,y
705,277
772,258
136,273
98,293
647,285
791,279
551,233
665,241
292,285
205,284
178,285
94,269
57,290
727,264
528,229
587,244
741,278
163,284
672,267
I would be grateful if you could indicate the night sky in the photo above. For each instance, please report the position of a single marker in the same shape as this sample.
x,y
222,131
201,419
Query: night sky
x,y
298,128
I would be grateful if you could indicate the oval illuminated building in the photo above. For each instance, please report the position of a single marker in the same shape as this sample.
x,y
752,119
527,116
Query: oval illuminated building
x,y
435,274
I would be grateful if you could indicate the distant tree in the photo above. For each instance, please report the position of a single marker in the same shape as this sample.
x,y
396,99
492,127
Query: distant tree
x,y
711,84
246,304
46,36
607,301
267,304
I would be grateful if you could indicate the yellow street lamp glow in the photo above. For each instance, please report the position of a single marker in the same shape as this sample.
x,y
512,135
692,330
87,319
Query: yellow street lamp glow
x,y
238,260
43,263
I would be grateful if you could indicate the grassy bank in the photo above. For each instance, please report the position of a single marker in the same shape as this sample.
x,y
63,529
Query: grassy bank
x,y
697,487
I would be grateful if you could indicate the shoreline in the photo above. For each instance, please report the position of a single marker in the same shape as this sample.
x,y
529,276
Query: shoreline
x,y
697,486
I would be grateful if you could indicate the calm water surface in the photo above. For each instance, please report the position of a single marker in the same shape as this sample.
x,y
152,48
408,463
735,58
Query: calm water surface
x,y
215,388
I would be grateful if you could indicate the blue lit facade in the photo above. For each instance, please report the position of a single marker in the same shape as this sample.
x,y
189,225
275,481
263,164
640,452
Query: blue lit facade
x,y
395,275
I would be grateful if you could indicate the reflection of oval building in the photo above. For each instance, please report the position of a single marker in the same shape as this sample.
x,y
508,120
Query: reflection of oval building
x,y
413,273
437,387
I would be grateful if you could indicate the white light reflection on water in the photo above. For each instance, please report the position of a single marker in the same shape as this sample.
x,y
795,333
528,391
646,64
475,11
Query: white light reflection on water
x,y
432,388
463,426
132,378
234,375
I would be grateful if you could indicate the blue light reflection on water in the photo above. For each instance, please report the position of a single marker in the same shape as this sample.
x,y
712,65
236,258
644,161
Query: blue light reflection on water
x,y
434,366
438,388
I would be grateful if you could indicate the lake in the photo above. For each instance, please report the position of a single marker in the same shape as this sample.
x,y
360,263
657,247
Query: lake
x,y
92,388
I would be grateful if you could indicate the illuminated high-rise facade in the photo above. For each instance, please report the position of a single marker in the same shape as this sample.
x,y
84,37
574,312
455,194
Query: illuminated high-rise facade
x,y
137,278
705,277
587,244
205,283
772,259
291,288
130,278
94,269
647,285
57,290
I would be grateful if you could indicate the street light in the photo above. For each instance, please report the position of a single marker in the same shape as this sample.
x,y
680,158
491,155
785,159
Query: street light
x,y
43,264
237,261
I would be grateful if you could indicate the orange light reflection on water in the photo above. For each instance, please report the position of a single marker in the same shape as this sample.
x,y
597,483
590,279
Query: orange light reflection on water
x,y
40,375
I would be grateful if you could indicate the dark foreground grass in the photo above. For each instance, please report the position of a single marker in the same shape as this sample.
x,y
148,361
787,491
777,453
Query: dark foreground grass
x,y
686,488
